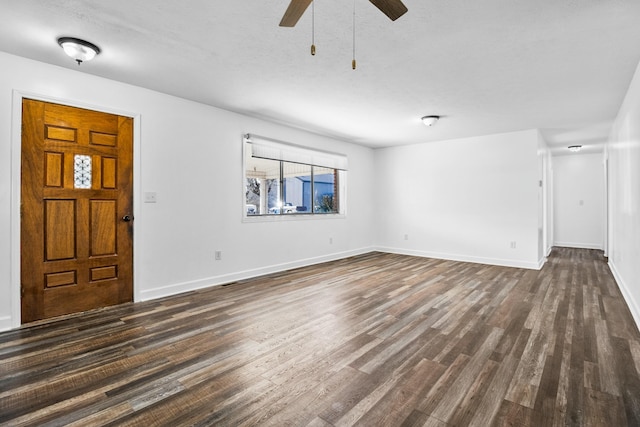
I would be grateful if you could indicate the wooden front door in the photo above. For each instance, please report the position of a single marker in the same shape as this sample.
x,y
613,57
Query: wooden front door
x,y
77,210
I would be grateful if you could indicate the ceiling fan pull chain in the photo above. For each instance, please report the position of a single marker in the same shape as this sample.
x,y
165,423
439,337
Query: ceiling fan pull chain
x,y
313,28
353,61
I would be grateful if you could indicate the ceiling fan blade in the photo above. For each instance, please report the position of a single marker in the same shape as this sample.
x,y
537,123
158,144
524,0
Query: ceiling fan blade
x,y
294,12
394,9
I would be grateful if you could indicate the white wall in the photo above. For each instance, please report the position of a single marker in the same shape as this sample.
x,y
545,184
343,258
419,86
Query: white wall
x,y
579,202
623,151
547,196
545,192
191,155
464,199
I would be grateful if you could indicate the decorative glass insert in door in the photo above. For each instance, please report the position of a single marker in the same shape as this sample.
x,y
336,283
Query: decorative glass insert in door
x,y
81,171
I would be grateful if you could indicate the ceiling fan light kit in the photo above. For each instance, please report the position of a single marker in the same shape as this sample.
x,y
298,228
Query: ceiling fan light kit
x,y
78,49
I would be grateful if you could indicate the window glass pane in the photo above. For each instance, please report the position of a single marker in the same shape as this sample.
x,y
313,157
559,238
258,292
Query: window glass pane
x,y
296,188
81,171
261,185
324,190
273,196
275,187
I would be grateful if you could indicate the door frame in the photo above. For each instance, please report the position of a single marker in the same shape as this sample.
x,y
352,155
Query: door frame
x,y
16,168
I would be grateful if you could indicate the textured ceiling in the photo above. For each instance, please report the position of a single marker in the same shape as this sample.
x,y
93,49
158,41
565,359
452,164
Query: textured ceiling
x,y
486,66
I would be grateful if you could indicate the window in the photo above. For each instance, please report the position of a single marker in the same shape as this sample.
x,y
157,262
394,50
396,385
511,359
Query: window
x,y
81,171
284,179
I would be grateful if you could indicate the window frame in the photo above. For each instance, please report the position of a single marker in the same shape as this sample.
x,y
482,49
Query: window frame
x,y
339,187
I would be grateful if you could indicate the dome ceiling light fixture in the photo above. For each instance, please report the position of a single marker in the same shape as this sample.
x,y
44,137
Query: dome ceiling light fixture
x,y
430,120
78,49
575,148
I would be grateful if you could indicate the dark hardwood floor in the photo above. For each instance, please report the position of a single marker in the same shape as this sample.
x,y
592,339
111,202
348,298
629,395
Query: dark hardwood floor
x,y
373,340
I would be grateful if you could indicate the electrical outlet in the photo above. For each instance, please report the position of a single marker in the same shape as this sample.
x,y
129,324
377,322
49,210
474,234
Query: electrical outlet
x,y
150,197
513,245
331,240
406,237
218,255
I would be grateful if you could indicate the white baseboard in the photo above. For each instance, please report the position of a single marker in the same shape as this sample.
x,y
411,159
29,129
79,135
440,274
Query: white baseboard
x,y
541,263
579,245
6,323
177,288
465,258
626,293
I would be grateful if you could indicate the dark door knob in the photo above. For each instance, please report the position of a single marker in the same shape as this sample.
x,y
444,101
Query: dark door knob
x,y
126,218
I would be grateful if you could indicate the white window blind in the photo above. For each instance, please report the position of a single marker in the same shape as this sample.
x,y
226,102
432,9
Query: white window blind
x,y
266,148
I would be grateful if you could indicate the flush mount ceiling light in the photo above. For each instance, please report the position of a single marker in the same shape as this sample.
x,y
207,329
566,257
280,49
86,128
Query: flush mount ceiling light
x,y
79,50
430,120
575,148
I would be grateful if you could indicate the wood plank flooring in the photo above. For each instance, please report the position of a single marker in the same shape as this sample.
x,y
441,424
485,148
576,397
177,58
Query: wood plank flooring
x,y
373,340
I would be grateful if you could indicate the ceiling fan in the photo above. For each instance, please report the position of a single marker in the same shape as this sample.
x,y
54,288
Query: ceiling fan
x,y
394,9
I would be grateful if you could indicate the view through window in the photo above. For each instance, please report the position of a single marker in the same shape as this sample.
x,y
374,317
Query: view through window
x,y
278,186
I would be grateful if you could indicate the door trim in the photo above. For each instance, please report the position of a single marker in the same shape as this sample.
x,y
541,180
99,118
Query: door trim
x,y
16,151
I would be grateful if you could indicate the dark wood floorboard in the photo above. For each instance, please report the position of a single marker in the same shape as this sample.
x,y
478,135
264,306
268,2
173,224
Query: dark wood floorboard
x,y
372,340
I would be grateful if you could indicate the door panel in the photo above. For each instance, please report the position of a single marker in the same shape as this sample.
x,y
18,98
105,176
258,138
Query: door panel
x,y
77,185
104,226
59,229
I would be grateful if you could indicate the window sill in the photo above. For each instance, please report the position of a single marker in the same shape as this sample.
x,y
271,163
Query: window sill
x,y
290,217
